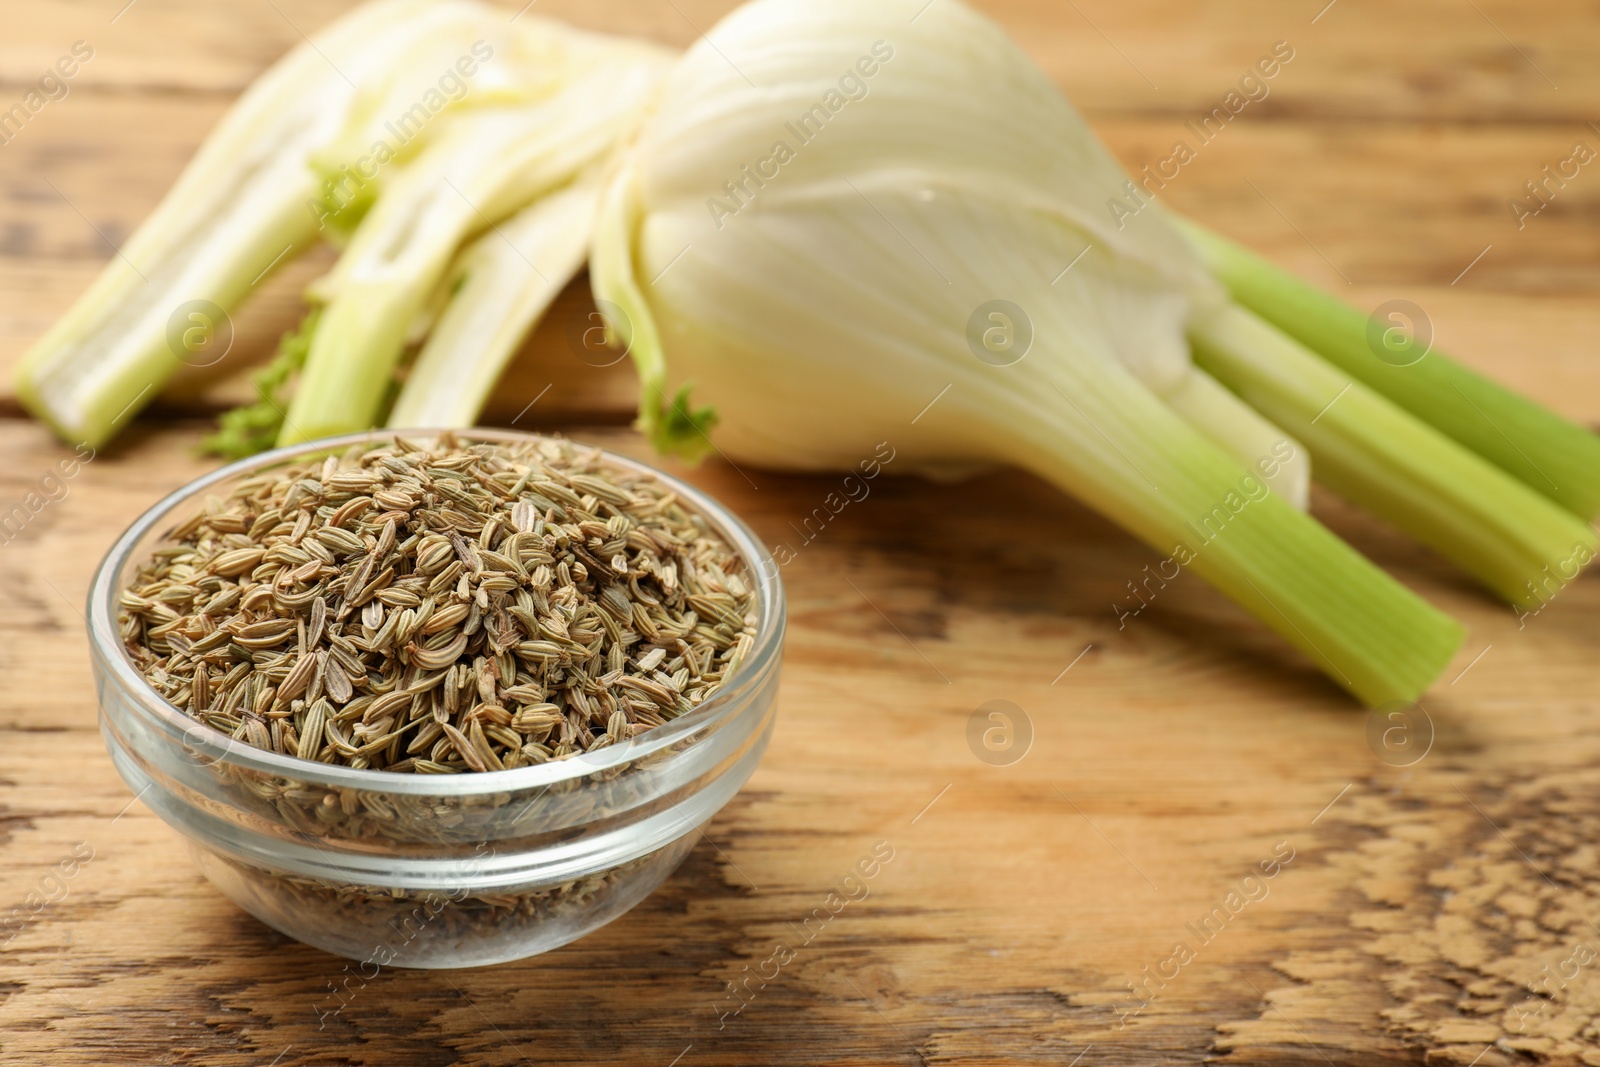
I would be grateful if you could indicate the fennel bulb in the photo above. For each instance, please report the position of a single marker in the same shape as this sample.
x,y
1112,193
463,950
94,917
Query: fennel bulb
x,y
817,227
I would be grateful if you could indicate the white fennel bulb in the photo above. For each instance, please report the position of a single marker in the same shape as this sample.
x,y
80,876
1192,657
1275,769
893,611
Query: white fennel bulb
x,y
846,223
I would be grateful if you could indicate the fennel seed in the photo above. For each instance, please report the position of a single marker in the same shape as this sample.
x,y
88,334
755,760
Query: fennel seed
x,y
441,606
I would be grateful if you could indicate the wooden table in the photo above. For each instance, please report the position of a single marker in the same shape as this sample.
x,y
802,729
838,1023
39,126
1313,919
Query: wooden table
x,y
1169,758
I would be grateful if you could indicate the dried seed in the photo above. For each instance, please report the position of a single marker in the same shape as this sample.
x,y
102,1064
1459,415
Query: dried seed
x,y
464,748
441,656
339,542
434,558
367,591
386,539
617,726
255,732
352,481
350,509
336,682
443,619
298,679
200,692
310,740
387,705
234,563
516,604
480,745
319,619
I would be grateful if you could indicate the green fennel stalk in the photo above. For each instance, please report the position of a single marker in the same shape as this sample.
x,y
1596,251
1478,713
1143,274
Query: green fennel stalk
x,y
238,212
1550,454
1375,454
584,93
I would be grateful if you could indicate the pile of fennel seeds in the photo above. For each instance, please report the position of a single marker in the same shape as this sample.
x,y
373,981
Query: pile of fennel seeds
x,y
440,607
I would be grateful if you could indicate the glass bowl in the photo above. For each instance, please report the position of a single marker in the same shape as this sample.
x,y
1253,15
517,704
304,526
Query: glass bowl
x,y
418,870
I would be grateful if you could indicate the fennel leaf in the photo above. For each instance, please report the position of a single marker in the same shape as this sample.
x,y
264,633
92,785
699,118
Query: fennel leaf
x,y
252,428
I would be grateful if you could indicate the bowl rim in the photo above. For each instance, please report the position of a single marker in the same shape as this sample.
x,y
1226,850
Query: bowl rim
x,y
729,700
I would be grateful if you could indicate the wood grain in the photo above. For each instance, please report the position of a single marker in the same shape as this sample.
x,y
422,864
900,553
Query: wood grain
x,y
1492,61
1169,756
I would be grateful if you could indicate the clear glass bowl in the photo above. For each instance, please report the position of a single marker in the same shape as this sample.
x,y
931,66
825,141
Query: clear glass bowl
x,y
413,870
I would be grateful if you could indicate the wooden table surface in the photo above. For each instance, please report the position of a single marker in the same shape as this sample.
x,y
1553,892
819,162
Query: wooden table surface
x,y
1444,912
